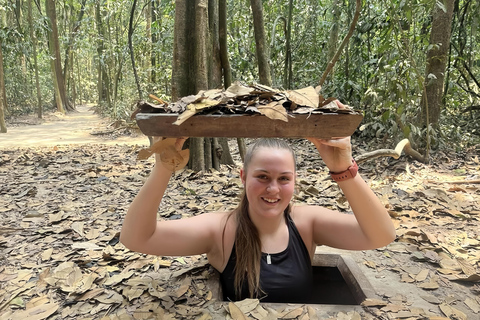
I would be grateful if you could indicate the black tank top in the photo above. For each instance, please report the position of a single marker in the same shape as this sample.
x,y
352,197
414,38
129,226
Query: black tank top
x,y
288,279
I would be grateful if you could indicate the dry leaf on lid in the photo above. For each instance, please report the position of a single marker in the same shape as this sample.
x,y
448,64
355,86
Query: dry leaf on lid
x,y
304,97
274,110
194,108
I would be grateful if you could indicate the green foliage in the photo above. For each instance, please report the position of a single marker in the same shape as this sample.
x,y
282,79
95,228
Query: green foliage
x,y
381,71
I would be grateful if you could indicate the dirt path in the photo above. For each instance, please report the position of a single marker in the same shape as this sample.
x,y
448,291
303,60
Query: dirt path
x,y
58,129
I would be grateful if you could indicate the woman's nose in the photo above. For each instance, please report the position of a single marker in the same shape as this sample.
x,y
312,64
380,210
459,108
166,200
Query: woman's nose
x,y
272,187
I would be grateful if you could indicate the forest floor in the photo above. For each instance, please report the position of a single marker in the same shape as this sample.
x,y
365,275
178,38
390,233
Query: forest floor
x,y
64,193
81,127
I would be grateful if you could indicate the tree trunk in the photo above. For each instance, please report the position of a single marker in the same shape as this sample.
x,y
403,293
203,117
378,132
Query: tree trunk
x,y
287,71
184,67
199,147
3,101
242,148
261,43
436,62
100,48
201,42
208,143
182,72
227,71
130,46
148,36
54,46
215,79
35,62
333,38
68,51
103,83
196,30
353,24
214,61
216,154
225,157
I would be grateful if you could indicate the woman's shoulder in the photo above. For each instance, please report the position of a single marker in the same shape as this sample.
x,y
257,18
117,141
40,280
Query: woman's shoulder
x,y
307,213
306,217
220,216
213,219
219,222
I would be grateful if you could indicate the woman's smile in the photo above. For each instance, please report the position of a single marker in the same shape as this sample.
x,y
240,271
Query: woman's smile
x,y
269,200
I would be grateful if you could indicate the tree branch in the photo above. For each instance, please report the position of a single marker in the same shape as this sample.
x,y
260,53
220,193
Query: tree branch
x,y
344,42
403,145
130,46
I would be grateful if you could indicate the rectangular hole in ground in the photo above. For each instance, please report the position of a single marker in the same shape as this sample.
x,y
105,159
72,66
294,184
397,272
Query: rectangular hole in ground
x,y
337,281
329,287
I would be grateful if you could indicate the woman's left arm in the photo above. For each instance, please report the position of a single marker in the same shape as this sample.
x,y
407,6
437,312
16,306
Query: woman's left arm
x,y
371,226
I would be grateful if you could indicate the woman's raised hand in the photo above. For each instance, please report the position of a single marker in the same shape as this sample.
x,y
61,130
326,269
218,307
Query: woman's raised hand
x,y
335,152
169,153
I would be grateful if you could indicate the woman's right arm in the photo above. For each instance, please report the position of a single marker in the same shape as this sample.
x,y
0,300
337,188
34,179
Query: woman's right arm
x,y
142,232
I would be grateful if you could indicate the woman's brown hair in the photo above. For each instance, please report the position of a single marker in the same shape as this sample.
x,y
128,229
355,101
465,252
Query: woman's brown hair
x,y
248,249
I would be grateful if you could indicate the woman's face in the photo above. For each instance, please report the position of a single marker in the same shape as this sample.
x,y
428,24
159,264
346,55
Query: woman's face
x,y
270,181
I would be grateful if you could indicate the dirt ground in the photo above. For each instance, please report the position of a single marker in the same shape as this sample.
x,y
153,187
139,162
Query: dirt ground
x,y
64,193
59,129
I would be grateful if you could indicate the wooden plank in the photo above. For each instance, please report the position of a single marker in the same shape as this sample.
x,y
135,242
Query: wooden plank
x,y
322,126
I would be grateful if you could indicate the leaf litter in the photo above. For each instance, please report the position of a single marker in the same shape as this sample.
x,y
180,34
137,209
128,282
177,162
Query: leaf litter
x,y
62,209
242,99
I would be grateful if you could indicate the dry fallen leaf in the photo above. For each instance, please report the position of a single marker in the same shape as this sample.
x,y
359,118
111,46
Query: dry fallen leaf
x,y
352,315
451,312
422,275
235,312
369,302
247,305
36,313
292,314
472,304
432,285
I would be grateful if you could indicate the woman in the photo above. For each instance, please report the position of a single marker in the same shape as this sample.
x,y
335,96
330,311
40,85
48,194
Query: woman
x,y
263,249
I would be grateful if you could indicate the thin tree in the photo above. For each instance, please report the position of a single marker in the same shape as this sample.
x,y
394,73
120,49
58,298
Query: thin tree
x,y
334,31
148,35
353,24
261,43
68,50
35,62
56,63
437,57
103,81
3,101
130,46
287,72
222,33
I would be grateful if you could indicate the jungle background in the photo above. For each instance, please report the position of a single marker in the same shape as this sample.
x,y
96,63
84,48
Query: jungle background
x,y
403,58
410,66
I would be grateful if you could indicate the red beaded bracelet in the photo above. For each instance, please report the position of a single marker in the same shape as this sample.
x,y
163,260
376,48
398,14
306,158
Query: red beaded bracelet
x,y
350,173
